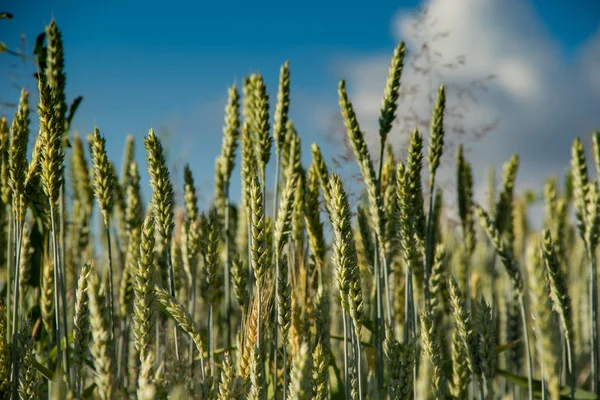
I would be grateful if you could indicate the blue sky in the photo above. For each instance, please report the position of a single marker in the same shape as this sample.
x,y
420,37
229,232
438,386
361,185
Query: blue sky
x,y
168,64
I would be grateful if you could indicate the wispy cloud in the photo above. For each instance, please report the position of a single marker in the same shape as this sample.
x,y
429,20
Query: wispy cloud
x,y
540,100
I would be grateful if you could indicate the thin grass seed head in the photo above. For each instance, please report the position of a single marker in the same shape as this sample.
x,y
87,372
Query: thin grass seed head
x,y
436,134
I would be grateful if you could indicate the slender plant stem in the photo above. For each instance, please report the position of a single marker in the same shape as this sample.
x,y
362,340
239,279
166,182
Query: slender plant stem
x,y
258,337
570,365
378,318
203,373
284,372
210,337
276,306
227,269
250,270
275,329
15,361
63,233
594,319
56,290
110,281
358,367
388,300
172,282
407,304
9,255
193,314
276,189
544,384
346,381
527,348
429,245
63,296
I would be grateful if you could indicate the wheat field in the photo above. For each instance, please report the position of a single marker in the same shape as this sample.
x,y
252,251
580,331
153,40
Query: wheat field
x,y
110,295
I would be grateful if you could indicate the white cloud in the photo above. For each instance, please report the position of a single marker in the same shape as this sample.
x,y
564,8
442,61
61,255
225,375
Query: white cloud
x,y
541,100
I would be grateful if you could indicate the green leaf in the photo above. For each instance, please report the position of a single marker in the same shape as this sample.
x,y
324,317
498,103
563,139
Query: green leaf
x,y
52,353
337,387
565,391
363,344
504,347
46,373
88,393
73,109
39,43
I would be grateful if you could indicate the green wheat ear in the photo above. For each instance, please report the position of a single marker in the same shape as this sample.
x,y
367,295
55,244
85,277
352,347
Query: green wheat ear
x,y
162,189
103,175
51,150
390,97
436,135
362,156
231,134
283,105
263,140
433,353
17,156
502,248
